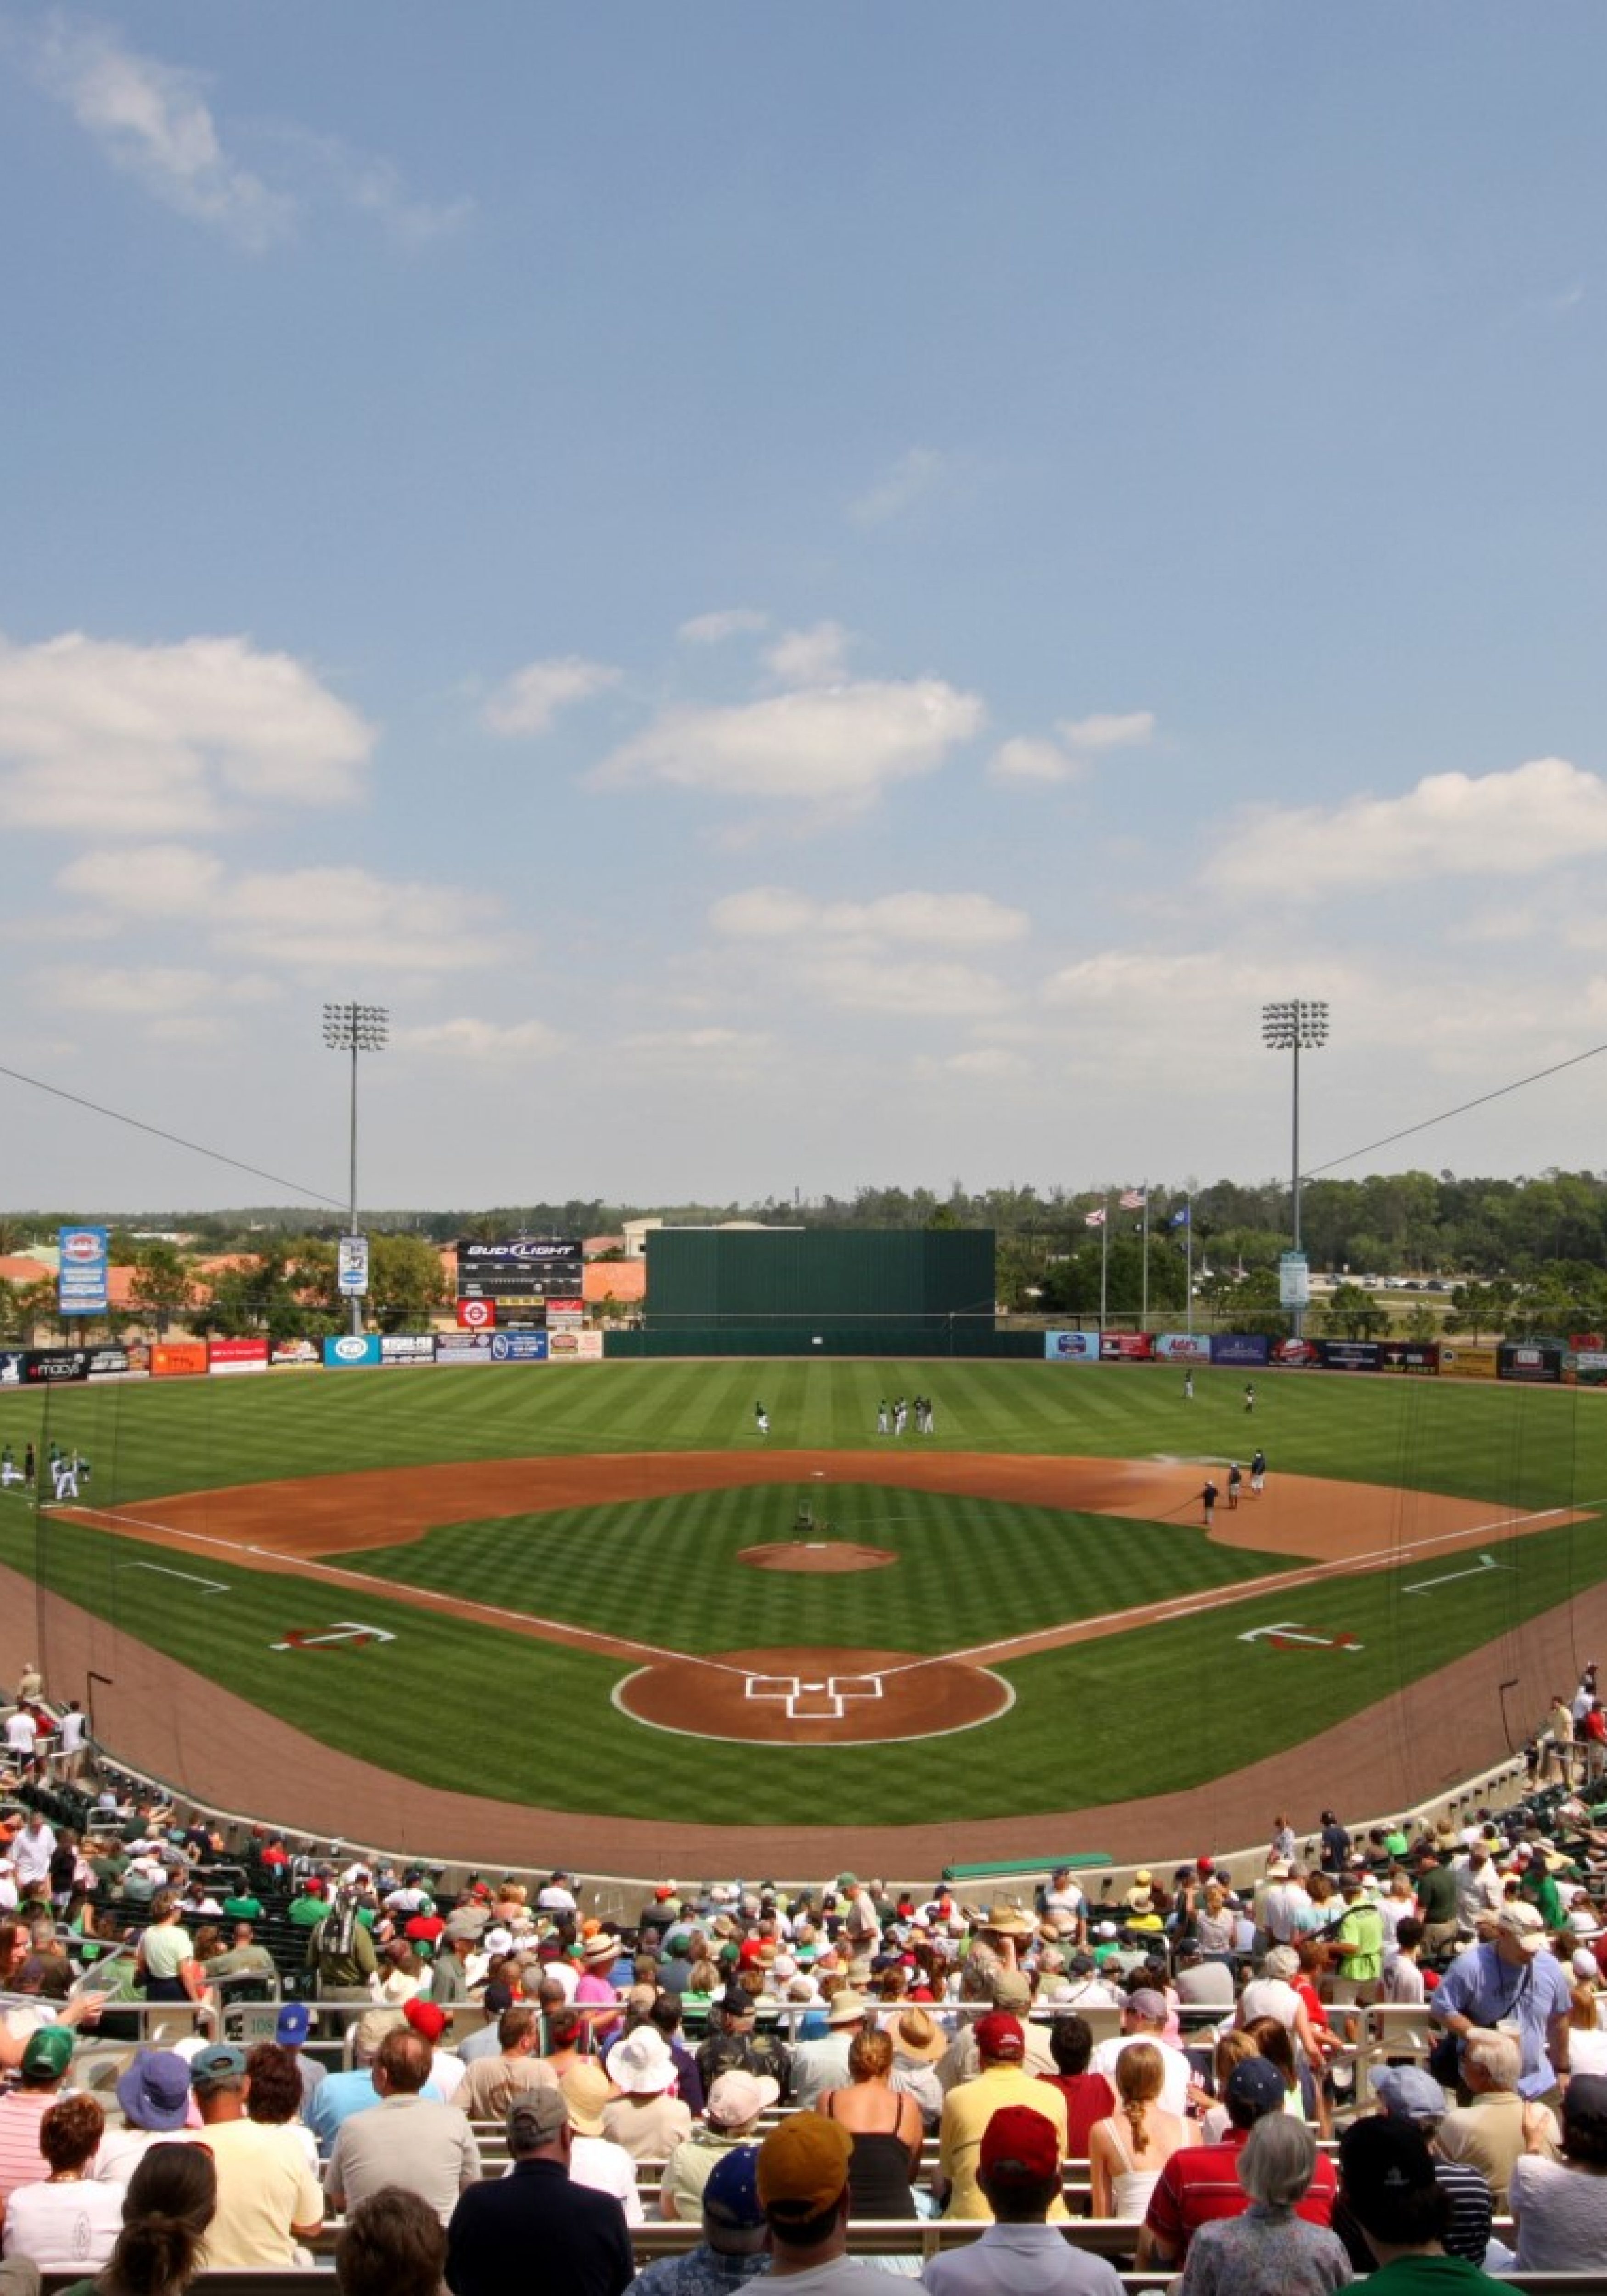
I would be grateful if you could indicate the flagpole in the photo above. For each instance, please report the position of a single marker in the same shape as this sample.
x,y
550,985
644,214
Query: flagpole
x,y
1104,1260
1188,1205
1143,1291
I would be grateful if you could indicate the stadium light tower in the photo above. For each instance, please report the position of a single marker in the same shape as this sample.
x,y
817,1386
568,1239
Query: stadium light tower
x,y
1296,1025
355,1028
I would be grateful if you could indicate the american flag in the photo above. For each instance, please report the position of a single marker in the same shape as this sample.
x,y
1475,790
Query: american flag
x,y
1133,1200
1094,1220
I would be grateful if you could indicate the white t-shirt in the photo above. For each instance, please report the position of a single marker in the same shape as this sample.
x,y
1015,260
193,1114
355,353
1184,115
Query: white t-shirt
x,y
1175,2068
67,2227
21,1732
606,2167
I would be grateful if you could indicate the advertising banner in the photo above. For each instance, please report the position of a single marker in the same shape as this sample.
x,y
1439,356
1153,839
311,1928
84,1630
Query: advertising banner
x,y
1458,1362
1182,1347
1126,1347
50,1366
179,1359
476,1315
225,1356
520,1275
1419,1356
114,1363
81,1279
1071,1347
295,1355
1249,1348
575,1347
565,1314
519,1347
351,1266
352,1351
460,1348
1589,1366
1531,1359
1350,1354
1295,1354
407,1348
1294,1280
12,1362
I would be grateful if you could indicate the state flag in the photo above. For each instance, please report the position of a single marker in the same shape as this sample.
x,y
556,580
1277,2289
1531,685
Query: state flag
x,y
1094,1220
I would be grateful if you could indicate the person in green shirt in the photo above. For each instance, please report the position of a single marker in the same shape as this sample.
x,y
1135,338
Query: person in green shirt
x,y
1357,1946
1386,2177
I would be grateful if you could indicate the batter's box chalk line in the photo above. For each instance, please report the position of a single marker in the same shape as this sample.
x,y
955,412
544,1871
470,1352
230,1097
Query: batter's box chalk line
x,y
813,1699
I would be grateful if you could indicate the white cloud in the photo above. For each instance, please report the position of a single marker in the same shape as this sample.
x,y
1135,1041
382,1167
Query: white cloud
x,y
1500,824
178,882
468,1039
914,474
812,657
1103,731
729,622
373,187
988,1064
935,990
137,992
1027,760
528,701
950,920
152,122
706,1047
311,919
115,739
839,748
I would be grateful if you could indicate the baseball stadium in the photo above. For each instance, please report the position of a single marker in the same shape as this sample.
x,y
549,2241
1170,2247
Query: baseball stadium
x,y
815,1567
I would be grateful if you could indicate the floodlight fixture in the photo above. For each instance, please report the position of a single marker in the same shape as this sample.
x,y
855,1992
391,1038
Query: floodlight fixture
x,y
355,1029
1295,1025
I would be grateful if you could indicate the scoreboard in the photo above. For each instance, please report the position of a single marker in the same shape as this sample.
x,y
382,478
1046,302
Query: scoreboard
x,y
519,1280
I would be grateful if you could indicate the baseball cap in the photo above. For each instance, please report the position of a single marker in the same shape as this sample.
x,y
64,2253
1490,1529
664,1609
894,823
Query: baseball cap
x,y
1386,2165
538,2116
730,2199
220,2062
1409,2093
1020,2146
1001,2037
1256,2082
803,2166
1524,1924
1148,2004
48,2052
293,2024
737,2096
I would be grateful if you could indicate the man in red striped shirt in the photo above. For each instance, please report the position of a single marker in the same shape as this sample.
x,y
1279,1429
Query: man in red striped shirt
x,y
1201,2183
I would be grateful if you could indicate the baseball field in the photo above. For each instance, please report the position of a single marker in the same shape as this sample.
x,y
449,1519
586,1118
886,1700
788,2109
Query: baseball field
x,y
599,1598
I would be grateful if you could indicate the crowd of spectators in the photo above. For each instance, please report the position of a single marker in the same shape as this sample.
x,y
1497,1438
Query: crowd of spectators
x,y
458,2079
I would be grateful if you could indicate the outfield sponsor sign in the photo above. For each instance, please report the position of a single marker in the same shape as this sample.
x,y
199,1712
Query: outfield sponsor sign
x,y
351,1266
225,1356
575,1347
1296,1354
519,1347
407,1348
1590,1366
352,1351
52,1366
1248,1348
179,1359
1467,1363
81,1280
1071,1347
1126,1347
1350,1354
295,1355
1182,1347
1539,1360
476,1315
1420,1356
463,1348
117,1363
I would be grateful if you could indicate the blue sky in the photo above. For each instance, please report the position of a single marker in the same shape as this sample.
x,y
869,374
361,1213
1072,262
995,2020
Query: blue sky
x,y
810,597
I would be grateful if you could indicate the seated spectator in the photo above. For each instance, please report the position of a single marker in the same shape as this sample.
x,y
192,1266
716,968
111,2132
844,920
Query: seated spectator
x,y
886,2128
273,2095
1019,2173
1144,2019
1560,2206
595,2161
45,2058
737,2045
68,2221
167,2212
490,2084
1088,2096
1498,2126
802,2179
407,2139
1409,2093
918,2044
1129,2149
968,2108
735,2245
1268,2251
1200,2183
732,2116
268,2197
153,2093
1390,2189
392,2244
502,2225
645,2117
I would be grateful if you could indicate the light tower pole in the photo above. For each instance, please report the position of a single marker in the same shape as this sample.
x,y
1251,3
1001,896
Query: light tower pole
x,y
355,1028
1296,1025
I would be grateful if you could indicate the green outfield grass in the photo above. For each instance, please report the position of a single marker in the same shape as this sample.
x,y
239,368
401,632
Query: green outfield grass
x,y
662,1570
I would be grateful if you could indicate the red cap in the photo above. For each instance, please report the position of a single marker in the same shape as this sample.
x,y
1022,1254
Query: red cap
x,y
426,2017
1021,2147
1000,2036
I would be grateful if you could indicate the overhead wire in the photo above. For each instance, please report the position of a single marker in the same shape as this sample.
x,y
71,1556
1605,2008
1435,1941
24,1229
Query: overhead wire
x,y
1518,1085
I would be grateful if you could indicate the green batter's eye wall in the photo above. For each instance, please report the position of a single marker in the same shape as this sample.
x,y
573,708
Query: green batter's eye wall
x,y
902,1288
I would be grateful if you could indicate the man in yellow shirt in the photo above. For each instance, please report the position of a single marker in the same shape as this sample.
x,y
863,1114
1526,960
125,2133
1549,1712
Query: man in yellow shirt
x,y
967,2109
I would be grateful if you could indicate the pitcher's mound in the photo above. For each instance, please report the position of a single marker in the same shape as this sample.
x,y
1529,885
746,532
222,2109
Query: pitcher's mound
x,y
813,1697
816,1555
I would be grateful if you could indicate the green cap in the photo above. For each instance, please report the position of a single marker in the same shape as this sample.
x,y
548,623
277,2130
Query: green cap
x,y
48,2052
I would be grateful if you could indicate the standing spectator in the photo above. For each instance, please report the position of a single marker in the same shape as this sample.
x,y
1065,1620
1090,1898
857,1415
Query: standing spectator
x,y
1512,1981
501,2225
